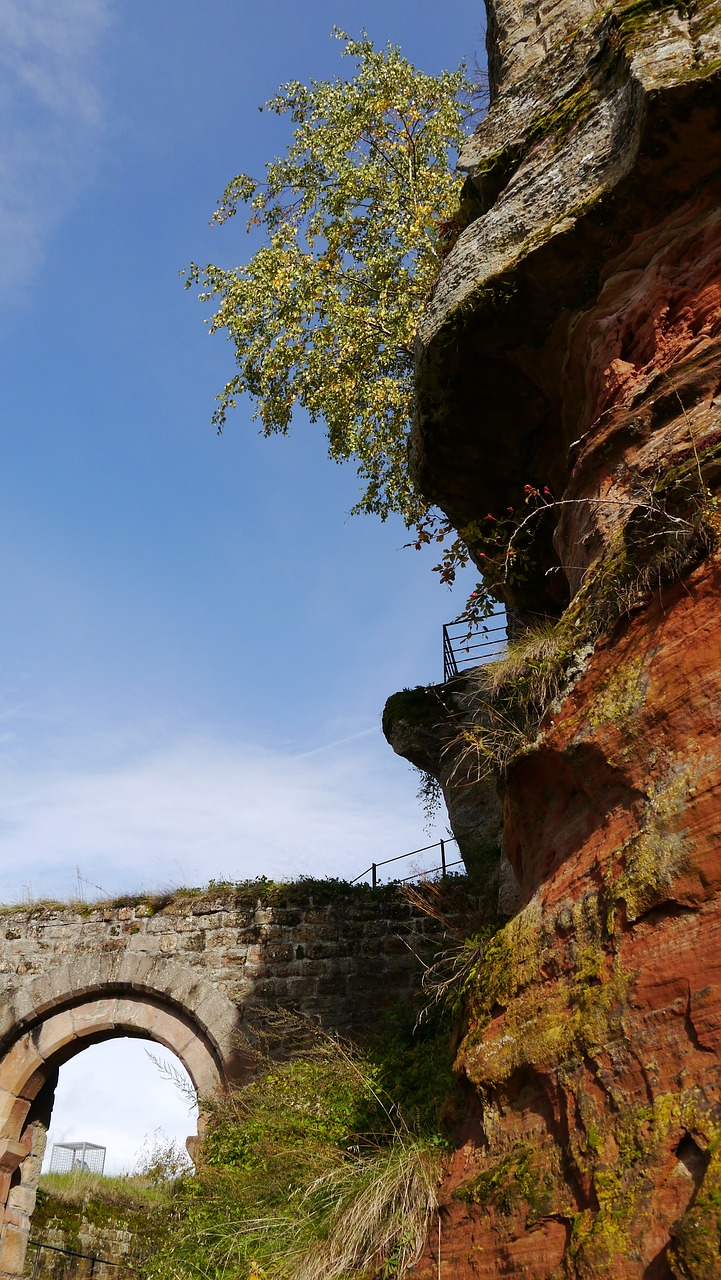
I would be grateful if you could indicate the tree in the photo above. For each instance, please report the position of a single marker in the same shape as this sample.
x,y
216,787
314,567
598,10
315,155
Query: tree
x,y
353,217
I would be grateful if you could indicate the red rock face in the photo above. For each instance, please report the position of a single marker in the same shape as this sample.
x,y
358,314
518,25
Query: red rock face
x,y
642,376
574,341
596,1046
636,743
594,1037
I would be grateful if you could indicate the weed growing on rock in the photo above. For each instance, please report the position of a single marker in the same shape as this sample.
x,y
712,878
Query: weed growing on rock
x,y
430,798
666,531
513,1178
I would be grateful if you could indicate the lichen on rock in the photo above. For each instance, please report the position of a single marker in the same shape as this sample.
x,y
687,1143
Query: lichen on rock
x,y
573,347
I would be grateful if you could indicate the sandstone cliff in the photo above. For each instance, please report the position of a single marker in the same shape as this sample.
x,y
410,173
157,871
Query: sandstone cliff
x,y
569,371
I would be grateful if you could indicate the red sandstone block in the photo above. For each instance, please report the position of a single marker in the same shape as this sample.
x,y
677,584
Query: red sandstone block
x,y
14,1246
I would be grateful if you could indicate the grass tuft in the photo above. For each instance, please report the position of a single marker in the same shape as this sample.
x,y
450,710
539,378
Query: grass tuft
x,y
324,1167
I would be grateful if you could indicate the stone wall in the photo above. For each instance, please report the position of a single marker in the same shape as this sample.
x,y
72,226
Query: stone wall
x,y
338,955
184,971
82,1241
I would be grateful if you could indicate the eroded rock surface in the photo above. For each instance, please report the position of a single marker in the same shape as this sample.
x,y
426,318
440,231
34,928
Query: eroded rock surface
x,y
573,345
425,726
580,307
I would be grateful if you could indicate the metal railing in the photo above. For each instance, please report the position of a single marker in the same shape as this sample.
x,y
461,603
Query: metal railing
x,y
444,866
462,649
72,1253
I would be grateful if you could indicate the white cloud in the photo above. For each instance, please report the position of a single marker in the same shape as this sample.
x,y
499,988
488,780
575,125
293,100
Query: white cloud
x,y
199,808
50,116
204,808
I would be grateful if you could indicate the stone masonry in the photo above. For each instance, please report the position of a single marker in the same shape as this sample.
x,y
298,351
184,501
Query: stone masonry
x,y
184,972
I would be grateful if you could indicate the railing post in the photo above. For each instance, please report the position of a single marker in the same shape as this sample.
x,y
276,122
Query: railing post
x,y
443,859
374,875
450,666
37,1260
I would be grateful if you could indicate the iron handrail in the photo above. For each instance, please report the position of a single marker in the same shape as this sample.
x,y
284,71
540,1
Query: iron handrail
x,y
446,866
372,870
451,664
471,646
73,1253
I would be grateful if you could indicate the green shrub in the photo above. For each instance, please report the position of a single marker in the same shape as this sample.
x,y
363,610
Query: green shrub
x,y
323,1168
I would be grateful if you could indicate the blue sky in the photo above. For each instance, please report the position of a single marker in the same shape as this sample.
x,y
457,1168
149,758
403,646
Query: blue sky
x,y
197,640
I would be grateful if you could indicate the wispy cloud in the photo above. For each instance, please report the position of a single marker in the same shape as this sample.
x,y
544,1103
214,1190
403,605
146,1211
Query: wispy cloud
x,y
51,113
203,808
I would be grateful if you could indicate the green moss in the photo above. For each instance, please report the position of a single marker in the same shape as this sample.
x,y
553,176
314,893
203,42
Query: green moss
x,y
622,1189
697,1250
546,1021
593,1139
555,124
511,1181
507,963
493,170
549,1025
658,853
623,695
633,18
426,705
145,1220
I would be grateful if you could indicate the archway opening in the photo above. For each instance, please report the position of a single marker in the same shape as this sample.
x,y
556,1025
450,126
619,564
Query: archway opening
x,y
127,1096
51,1024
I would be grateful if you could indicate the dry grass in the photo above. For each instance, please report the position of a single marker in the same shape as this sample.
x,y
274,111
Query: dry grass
x,y
77,1188
465,923
376,1211
449,902
532,657
504,703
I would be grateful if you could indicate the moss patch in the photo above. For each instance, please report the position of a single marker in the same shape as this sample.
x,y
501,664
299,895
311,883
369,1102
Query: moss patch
x,y
658,852
514,1180
125,1205
622,696
697,1250
544,1019
624,1191
553,1024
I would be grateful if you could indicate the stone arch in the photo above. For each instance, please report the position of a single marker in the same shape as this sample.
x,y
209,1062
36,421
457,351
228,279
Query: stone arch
x,y
50,1018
